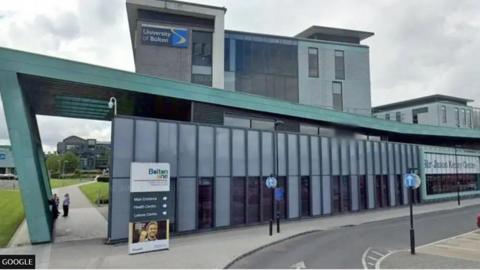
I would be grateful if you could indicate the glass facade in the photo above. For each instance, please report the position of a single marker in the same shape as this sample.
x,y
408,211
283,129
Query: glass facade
x,y
336,197
305,196
267,68
345,193
337,96
202,57
238,200
363,196
339,65
253,200
205,203
448,183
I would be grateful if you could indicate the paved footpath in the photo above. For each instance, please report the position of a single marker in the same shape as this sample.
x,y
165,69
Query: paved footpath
x,y
458,252
214,249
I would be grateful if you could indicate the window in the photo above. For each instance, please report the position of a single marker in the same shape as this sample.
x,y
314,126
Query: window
x,y
236,121
253,200
201,48
205,203
305,196
398,116
339,65
337,96
313,62
469,118
387,116
263,124
457,117
444,114
308,129
226,59
238,200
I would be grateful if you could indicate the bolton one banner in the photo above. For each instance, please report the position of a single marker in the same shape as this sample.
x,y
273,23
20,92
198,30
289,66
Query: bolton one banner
x,y
149,207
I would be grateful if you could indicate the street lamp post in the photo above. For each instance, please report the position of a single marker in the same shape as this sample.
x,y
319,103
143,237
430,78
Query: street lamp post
x,y
112,104
456,176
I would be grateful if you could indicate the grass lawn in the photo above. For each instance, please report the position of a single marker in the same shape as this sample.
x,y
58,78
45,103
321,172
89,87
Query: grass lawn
x,y
93,190
11,213
56,183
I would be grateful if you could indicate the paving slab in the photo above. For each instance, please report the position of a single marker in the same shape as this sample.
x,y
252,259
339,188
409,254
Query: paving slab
x,y
404,260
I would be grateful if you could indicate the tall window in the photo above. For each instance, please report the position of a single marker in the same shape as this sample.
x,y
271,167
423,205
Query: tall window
x,y
444,114
387,116
337,96
469,118
202,57
205,203
339,65
457,117
313,62
398,116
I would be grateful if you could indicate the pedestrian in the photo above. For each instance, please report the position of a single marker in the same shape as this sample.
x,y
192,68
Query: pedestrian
x,y
66,204
53,203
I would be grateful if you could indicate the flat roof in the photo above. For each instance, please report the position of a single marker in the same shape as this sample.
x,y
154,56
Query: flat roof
x,y
58,71
331,31
420,101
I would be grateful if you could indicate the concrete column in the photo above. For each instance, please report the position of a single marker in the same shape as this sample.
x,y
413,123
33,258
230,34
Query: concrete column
x,y
29,162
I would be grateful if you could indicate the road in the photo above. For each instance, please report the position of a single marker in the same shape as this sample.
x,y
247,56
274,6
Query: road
x,y
345,247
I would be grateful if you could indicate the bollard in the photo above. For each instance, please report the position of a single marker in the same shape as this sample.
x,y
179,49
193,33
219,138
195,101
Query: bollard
x,y
278,224
270,227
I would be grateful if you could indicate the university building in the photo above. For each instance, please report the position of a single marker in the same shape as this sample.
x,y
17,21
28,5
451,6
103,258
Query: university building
x,y
93,154
226,109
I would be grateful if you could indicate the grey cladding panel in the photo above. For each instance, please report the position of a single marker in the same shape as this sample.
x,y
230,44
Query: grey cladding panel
x,y
316,196
391,163
120,208
238,152
362,158
292,154
253,153
293,197
167,145
335,156
369,157
267,153
376,157
186,203
304,155
398,159
222,201
315,155
383,150
282,157
123,147
354,192
415,156
325,156
409,156
345,158
145,141
371,191
353,158
327,195
222,149
187,151
205,151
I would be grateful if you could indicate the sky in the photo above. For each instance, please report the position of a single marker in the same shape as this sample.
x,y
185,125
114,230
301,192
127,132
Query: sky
x,y
420,47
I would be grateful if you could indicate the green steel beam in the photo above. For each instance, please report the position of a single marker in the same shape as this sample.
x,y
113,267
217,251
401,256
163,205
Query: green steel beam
x,y
61,69
29,162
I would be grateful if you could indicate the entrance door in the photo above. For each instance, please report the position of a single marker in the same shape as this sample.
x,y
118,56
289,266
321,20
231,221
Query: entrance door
x,y
205,203
305,194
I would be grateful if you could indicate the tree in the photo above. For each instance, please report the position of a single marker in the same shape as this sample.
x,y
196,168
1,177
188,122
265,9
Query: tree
x,y
54,161
66,163
71,162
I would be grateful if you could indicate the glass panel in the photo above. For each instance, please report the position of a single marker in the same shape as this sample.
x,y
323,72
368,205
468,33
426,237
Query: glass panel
x,y
337,96
267,201
378,191
282,205
236,122
336,194
385,192
305,195
363,192
308,129
345,193
253,193
263,124
205,203
201,48
399,190
238,200
312,62
339,65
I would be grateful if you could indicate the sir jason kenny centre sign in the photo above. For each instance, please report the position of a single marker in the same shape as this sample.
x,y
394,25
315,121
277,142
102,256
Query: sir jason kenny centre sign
x,y
449,164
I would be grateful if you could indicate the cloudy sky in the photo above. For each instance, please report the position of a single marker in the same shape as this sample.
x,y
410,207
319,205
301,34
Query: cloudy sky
x,y
420,47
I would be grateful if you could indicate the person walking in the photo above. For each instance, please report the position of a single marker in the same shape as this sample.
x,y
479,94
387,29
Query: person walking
x,y
66,204
54,204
